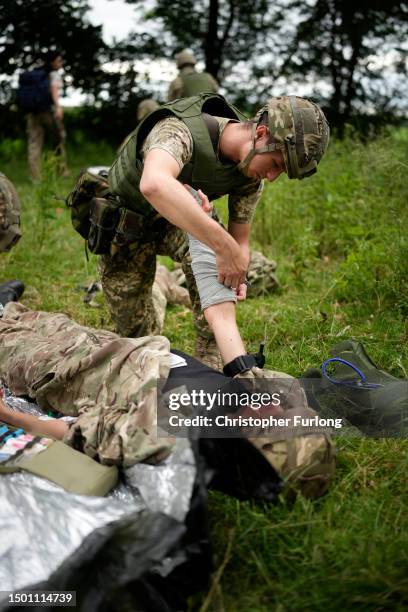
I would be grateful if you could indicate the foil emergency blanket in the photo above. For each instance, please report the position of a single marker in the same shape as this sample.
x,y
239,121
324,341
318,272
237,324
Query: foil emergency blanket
x,y
41,525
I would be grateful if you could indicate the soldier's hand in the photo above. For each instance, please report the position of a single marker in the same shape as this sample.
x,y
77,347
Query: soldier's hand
x,y
241,292
232,264
204,201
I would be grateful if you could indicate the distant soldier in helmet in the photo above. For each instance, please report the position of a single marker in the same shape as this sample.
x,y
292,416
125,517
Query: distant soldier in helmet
x,y
189,82
10,234
146,106
206,143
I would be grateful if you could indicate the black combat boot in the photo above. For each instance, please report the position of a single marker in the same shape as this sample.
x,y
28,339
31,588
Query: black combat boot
x,y
11,291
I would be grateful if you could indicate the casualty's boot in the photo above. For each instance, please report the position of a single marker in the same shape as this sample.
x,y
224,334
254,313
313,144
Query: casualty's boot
x,y
207,352
11,291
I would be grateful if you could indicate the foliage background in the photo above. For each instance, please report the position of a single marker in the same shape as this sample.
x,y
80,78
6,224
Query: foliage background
x,y
351,57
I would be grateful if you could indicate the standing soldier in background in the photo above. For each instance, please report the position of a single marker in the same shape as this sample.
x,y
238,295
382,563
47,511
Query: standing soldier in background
x,y
146,106
189,82
10,234
39,96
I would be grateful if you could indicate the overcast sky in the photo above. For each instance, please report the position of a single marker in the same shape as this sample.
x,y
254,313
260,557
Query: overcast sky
x,y
116,17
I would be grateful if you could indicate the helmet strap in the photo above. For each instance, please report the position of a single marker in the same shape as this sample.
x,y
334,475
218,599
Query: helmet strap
x,y
273,146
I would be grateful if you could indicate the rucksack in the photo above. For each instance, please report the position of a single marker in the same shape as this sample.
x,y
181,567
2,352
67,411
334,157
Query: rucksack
x,y
34,91
364,396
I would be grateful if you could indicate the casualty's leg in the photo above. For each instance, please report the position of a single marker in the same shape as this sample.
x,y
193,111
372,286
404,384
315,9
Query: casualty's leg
x,y
221,319
127,278
175,244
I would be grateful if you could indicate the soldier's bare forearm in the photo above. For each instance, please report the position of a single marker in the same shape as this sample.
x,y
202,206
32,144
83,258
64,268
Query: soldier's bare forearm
x,y
168,196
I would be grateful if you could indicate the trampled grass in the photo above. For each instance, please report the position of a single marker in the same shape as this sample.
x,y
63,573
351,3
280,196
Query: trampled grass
x,y
341,247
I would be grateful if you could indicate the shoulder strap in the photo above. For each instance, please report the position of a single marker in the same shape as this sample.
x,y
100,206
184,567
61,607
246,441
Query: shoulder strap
x,y
213,129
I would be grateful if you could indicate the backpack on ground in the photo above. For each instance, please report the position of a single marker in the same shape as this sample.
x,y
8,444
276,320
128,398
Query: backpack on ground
x,y
34,91
364,396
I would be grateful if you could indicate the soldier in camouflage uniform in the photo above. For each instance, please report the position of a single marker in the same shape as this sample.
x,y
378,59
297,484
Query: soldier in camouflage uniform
x,y
109,384
189,82
145,107
208,144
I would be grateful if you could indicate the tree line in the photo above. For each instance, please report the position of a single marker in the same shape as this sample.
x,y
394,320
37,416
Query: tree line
x,y
350,55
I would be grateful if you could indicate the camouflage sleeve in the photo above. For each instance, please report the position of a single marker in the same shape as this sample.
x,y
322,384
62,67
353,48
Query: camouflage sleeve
x,y
175,89
173,136
242,204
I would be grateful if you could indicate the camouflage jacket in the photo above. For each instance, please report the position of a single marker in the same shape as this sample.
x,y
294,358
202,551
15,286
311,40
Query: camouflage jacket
x,y
108,382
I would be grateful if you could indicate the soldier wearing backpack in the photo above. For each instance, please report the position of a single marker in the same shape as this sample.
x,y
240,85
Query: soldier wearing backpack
x,y
39,96
189,82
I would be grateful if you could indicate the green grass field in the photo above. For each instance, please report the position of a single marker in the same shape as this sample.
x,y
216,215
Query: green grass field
x,y
341,244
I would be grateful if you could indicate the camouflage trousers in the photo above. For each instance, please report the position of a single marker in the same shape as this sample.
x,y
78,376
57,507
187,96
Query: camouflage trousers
x,y
108,382
38,125
127,279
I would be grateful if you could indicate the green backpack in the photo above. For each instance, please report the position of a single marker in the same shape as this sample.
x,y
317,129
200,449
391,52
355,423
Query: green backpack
x,y
355,389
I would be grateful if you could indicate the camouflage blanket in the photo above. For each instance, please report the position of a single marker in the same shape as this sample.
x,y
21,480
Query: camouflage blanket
x,y
108,382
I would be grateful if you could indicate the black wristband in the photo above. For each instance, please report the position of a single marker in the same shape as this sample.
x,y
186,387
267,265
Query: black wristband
x,y
240,364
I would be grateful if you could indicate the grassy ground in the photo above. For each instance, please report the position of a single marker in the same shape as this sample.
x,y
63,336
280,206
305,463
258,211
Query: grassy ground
x,y
342,251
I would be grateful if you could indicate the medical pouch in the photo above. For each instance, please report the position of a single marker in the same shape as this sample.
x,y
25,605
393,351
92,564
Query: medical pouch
x,y
103,217
73,471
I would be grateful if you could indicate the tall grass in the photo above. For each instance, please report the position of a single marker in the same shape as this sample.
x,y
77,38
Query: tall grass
x,y
340,242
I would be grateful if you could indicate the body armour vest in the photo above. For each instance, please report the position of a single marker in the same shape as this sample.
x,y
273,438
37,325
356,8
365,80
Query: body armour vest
x,y
204,171
195,83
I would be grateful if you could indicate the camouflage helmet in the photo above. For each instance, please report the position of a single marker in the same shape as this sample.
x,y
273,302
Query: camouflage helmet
x,y
145,107
299,129
185,58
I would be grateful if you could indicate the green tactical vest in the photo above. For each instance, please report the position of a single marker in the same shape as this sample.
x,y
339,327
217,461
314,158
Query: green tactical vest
x,y
195,83
204,171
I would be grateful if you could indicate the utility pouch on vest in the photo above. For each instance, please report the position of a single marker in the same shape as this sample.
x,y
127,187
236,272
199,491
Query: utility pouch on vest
x,y
103,221
66,467
130,227
87,186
